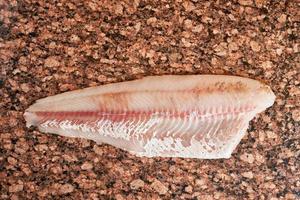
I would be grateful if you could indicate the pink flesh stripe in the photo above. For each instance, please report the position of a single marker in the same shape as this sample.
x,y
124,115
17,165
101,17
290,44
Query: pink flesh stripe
x,y
119,116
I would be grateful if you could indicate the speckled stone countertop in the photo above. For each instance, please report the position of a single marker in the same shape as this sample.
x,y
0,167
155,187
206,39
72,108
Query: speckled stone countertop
x,y
49,47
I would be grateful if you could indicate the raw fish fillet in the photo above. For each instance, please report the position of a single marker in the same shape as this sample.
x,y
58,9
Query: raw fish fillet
x,y
191,116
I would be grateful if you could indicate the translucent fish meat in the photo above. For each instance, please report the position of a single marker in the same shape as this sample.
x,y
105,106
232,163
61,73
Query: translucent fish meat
x,y
191,116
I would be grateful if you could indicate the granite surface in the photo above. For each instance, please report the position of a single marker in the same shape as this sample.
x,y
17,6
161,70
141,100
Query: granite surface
x,y
49,47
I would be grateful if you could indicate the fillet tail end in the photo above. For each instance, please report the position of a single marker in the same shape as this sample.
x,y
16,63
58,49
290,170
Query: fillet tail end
x,y
31,119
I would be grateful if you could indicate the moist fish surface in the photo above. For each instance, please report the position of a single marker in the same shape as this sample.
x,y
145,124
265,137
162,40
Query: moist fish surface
x,y
191,116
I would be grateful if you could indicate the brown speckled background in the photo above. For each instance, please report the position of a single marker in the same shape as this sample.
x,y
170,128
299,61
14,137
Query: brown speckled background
x,y
49,47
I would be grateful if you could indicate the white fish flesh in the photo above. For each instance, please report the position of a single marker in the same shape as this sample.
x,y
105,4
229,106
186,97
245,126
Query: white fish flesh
x,y
192,116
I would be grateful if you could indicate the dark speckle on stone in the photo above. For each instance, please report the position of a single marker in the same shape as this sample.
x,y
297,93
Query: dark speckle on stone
x,y
293,36
4,31
33,34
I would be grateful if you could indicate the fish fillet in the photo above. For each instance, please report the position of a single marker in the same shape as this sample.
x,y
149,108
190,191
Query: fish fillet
x,y
192,116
